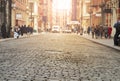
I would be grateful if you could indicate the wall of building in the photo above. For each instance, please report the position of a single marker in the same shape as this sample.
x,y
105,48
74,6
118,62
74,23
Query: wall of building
x,y
74,10
45,14
83,15
19,12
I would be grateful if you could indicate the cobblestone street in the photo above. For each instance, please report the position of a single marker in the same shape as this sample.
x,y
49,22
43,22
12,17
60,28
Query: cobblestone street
x,y
57,57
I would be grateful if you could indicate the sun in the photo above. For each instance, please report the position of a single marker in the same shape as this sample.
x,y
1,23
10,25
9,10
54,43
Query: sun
x,y
62,4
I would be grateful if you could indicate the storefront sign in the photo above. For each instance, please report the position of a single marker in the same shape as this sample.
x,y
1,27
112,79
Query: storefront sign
x,y
98,15
18,16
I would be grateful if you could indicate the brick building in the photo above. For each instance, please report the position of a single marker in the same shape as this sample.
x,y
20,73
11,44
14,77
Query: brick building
x,y
45,11
19,12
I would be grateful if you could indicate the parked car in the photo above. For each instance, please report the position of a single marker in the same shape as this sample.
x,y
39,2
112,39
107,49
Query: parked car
x,y
66,30
56,29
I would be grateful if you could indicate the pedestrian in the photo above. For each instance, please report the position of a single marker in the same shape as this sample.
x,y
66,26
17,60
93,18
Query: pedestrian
x,y
109,31
77,29
93,31
117,32
19,30
96,30
81,31
16,32
106,31
88,30
101,31
3,31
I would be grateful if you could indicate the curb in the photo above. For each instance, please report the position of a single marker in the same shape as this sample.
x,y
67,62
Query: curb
x,y
114,47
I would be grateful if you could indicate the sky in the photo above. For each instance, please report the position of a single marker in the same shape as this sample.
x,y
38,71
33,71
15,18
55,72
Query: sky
x,y
62,4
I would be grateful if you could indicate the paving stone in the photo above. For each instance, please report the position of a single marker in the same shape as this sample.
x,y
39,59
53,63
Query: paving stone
x,y
54,80
72,59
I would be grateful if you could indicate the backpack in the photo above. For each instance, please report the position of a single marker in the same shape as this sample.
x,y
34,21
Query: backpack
x,y
118,27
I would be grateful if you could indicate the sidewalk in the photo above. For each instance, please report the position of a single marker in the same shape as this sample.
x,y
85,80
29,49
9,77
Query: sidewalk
x,y
106,42
24,36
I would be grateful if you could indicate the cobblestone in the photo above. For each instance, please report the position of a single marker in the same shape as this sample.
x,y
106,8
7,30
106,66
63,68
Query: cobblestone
x,y
57,57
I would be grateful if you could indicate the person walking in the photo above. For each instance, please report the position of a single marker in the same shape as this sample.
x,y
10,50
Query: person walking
x,y
117,32
101,31
109,31
16,32
97,32
81,31
93,31
106,31
88,30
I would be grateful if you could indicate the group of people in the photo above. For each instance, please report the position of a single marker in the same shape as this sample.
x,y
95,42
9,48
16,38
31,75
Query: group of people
x,y
18,30
21,30
77,29
100,31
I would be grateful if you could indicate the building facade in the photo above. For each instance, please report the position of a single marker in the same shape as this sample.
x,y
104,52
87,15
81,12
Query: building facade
x,y
82,13
45,11
19,12
33,14
109,11
97,12
74,10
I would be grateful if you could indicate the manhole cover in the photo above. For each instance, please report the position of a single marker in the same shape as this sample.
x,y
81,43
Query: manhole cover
x,y
53,52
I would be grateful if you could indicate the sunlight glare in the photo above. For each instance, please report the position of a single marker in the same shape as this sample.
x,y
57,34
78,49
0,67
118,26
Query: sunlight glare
x,y
62,4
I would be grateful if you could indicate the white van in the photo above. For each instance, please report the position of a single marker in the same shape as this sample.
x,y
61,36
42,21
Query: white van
x,y
56,29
